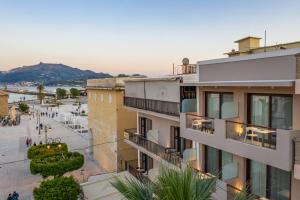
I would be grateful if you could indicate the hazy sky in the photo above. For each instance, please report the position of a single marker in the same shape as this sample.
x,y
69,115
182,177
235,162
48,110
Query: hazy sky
x,y
131,36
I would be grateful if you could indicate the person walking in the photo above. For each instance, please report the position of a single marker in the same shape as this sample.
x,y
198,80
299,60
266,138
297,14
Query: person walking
x,y
9,197
27,142
15,196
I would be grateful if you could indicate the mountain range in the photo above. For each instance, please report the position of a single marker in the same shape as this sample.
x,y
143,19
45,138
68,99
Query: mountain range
x,y
49,74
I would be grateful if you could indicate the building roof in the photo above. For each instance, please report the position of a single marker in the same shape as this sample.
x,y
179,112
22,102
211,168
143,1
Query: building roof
x,y
245,38
286,52
162,78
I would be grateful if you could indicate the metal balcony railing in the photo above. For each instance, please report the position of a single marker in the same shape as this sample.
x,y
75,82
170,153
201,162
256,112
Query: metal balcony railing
x,y
153,147
251,134
164,107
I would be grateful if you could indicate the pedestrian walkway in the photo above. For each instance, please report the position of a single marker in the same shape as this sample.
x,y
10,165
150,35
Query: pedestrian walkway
x,y
16,175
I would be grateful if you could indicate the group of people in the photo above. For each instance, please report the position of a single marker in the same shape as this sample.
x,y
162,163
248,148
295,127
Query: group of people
x,y
14,196
28,142
50,115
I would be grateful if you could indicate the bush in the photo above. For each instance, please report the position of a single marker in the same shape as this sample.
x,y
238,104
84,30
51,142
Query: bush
x,y
62,188
24,107
57,164
42,150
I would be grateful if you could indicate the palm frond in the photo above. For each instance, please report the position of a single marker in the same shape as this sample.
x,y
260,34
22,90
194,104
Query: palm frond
x,y
134,189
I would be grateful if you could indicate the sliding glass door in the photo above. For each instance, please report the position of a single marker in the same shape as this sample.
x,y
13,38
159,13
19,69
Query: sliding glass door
x,y
260,110
271,110
219,105
268,181
282,112
212,160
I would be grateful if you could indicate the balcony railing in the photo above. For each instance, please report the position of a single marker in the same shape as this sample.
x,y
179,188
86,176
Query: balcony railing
x,y
164,107
153,147
137,173
251,134
200,123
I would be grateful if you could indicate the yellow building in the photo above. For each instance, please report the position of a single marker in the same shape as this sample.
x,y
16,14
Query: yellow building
x,y
251,45
107,120
3,103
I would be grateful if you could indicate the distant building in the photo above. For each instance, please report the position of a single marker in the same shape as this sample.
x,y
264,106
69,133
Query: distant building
x,y
3,103
107,120
251,45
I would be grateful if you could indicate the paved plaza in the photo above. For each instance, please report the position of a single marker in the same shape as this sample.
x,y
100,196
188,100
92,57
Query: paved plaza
x,y
14,172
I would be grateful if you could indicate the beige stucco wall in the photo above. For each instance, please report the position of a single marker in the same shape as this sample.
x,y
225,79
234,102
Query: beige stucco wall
x,y
107,124
3,105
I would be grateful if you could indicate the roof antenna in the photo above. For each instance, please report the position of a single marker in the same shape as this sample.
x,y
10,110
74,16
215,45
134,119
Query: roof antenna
x,y
265,49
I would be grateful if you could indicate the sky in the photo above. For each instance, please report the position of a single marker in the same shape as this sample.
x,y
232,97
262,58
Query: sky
x,y
136,36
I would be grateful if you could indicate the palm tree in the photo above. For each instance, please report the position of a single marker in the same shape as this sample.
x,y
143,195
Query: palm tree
x,y
40,88
170,185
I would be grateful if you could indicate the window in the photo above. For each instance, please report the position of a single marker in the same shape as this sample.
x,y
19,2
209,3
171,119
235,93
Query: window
x,y
145,126
229,166
271,110
219,105
212,160
268,181
110,98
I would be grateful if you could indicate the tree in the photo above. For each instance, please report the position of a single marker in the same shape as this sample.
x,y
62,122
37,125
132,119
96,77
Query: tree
x,y
40,89
61,93
171,184
24,107
61,188
74,92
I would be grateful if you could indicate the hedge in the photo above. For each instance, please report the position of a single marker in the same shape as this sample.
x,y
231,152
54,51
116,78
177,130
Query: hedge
x,y
61,188
57,164
42,150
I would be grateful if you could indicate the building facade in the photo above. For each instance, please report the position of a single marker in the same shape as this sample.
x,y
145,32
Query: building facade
x,y
235,118
3,104
107,120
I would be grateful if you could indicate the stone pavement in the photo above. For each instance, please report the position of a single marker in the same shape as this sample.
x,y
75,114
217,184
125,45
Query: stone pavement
x,y
16,176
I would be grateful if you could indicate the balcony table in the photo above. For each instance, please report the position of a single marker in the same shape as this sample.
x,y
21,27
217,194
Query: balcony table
x,y
264,133
198,123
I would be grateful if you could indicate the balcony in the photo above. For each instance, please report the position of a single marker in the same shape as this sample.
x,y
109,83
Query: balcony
x,y
251,134
152,147
202,124
274,147
163,107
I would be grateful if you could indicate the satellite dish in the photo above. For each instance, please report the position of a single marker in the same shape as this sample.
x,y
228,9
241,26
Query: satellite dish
x,y
185,61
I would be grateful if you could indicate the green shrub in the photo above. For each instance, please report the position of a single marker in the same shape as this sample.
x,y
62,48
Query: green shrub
x,y
42,150
24,107
61,188
57,164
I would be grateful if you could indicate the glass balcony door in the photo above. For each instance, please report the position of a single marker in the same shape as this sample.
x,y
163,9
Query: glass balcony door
x,y
268,181
273,111
145,126
220,105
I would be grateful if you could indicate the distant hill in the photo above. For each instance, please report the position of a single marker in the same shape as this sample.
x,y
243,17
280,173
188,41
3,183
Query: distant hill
x,y
48,73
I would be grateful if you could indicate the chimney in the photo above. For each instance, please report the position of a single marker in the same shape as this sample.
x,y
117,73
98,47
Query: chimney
x,y
248,43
